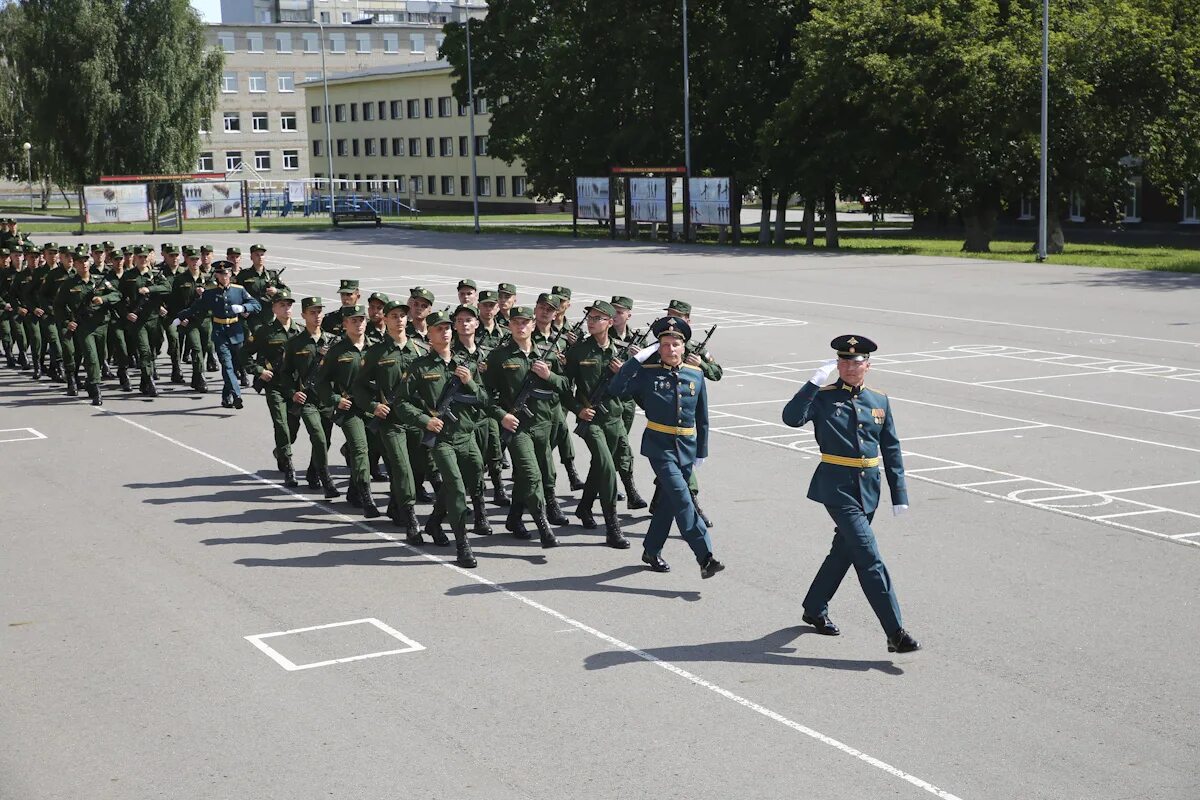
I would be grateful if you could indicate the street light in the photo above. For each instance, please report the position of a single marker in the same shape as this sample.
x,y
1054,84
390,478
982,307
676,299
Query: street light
x,y
1045,144
471,117
687,124
328,130
29,172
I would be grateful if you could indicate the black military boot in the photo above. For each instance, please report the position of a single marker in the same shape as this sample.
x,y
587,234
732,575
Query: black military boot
x,y
543,526
499,495
515,524
380,473
584,511
635,499
572,475
93,391
433,526
554,513
22,361
655,562
710,567
198,383
56,370
123,379
177,375
243,381
370,510
327,484
289,474
37,368
150,390
708,523
411,527
422,495
210,365
8,357
482,526
613,536
311,476
465,557
106,373
278,458
72,391
353,495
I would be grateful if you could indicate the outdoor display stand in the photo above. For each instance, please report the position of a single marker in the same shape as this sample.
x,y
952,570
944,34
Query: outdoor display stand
x,y
594,200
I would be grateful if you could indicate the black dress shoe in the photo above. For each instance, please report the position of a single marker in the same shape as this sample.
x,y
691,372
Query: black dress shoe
x,y
226,404
710,567
902,642
823,624
655,562
237,403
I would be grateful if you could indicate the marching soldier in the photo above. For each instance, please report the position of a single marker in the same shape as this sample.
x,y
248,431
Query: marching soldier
x,y
528,426
546,312
420,303
590,365
855,430
335,387
142,292
55,271
468,353
170,270
378,390
84,302
301,362
623,334
7,311
454,451
674,397
488,336
468,292
263,355
261,282
507,294
227,304
186,286
376,333
349,294
25,290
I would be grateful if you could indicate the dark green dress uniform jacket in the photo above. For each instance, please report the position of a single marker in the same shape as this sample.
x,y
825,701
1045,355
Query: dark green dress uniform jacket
x,y
76,292
265,347
335,377
505,373
381,377
427,377
586,367
855,423
301,358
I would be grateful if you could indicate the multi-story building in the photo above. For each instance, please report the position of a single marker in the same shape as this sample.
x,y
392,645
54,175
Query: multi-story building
x,y
260,118
335,12
401,126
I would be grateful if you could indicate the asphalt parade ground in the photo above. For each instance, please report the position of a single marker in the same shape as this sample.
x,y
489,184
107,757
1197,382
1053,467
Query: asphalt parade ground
x,y
176,624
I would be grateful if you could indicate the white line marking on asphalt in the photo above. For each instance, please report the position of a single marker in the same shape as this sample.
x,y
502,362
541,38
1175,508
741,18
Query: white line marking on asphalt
x,y
1033,378
773,298
612,640
972,433
1130,513
410,646
33,435
989,483
1152,486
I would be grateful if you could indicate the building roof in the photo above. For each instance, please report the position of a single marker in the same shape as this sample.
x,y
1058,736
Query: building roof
x,y
392,70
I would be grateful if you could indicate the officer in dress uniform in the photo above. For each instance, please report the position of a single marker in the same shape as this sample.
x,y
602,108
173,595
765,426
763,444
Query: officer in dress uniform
x,y
228,304
674,397
854,427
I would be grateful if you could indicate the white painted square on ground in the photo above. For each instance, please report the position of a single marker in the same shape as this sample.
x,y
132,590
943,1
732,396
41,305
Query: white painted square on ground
x,y
332,639
20,435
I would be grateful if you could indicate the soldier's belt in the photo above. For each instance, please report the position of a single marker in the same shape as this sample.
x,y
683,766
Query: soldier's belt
x,y
843,461
225,321
654,426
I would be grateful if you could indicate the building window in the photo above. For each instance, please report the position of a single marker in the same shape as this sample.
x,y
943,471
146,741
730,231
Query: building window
x,y
501,186
414,109
1075,212
354,112
446,146
310,42
414,147
337,42
254,42
233,160
228,82
368,112
481,145
383,145
1027,210
1191,208
325,17
369,147
444,107
225,40
258,82
363,42
438,40
397,109
287,82
447,184
416,43
383,109
464,184
339,112
418,184
341,147
518,183
262,160
397,146
430,144
433,184
316,147
258,122
291,159
391,43
204,130
462,147
428,108
233,122
288,122
1133,200
354,147
481,105
283,42
345,17
205,163
483,185
314,114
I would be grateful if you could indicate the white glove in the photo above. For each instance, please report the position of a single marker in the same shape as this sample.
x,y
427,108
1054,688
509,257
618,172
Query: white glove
x,y
898,510
698,463
646,352
175,323
821,376
237,308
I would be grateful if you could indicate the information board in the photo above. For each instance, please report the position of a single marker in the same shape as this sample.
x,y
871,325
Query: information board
x,y
648,199
212,200
592,199
116,202
710,203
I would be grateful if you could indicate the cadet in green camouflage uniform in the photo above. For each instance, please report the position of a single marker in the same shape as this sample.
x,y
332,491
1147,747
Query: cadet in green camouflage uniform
x,y
488,336
544,315
349,294
54,272
301,359
376,333
467,352
142,293
169,271
8,311
622,333
562,434
84,300
187,285
263,357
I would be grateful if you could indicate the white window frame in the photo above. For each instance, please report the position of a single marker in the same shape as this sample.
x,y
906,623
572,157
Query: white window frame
x,y
1133,200
368,111
262,160
259,79
1075,209
391,43
283,42
292,156
483,185
445,108
1027,208
229,83
362,42
481,145
260,116
1191,206
447,184
254,42
226,42
337,42
285,82
369,147
398,146
345,17
416,43
286,118
230,164
206,163
520,185
311,42
231,116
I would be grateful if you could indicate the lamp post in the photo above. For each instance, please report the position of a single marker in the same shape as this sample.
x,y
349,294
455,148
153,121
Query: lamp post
x,y
1045,142
328,130
29,172
471,123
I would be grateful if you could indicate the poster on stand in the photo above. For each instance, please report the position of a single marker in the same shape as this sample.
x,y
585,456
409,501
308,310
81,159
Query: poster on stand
x,y
116,202
592,199
710,204
648,199
212,199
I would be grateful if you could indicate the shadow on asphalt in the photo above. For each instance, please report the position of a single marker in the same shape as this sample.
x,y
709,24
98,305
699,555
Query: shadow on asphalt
x,y
1144,279
580,583
769,649
388,555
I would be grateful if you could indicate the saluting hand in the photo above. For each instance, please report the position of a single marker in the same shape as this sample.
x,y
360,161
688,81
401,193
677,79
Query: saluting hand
x,y
821,376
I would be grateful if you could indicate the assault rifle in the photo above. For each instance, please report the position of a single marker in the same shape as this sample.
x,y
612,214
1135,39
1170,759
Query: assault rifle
x,y
453,395
597,394
83,312
699,347
309,386
529,391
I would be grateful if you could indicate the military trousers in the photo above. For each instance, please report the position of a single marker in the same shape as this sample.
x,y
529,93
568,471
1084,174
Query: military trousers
x,y
393,444
199,341
66,344
460,465
33,334
353,425
174,345
139,338
89,344
854,545
283,425
50,341
675,504
319,427
530,452
624,453
560,438
229,356
603,440
16,330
